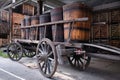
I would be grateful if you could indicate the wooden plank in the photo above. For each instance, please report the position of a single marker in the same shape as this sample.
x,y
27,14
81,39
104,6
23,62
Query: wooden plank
x,y
39,7
57,22
10,24
114,51
28,9
27,41
4,42
0,42
19,2
4,15
99,23
105,56
107,6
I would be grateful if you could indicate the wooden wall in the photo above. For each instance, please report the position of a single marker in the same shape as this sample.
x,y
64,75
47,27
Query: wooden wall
x,y
108,33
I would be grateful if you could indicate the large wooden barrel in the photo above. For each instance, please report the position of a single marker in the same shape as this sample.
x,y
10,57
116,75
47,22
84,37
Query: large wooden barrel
x,y
33,31
81,30
34,20
44,18
57,32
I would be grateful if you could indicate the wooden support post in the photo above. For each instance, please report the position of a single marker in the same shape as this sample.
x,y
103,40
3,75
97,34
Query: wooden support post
x,y
39,7
10,23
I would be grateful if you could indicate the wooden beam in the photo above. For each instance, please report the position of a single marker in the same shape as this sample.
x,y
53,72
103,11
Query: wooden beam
x,y
6,2
14,4
39,7
107,6
10,23
54,3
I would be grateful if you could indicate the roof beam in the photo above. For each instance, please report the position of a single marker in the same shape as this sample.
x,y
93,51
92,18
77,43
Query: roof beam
x,y
14,4
6,3
54,3
107,6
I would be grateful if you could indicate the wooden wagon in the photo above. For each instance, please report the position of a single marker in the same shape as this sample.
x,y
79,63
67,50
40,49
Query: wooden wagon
x,y
49,53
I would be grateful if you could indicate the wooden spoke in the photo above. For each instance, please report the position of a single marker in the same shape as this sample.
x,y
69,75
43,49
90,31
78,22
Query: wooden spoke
x,y
49,66
42,47
43,65
79,61
45,68
49,54
29,54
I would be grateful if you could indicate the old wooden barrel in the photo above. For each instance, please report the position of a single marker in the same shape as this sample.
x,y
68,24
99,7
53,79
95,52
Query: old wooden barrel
x,y
27,31
32,34
58,31
81,30
44,18
23,32
33,31
27,21
34,20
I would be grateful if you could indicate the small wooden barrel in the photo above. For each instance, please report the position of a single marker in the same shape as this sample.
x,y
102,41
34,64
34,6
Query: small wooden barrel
x,y
44,19
57,32
27,31
34,20
81,30
27,21
33,31
32,34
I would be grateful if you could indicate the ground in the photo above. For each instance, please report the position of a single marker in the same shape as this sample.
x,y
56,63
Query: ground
x,y
27,69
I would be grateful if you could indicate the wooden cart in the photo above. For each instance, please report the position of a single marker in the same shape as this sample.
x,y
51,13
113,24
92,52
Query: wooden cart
x,y
49,53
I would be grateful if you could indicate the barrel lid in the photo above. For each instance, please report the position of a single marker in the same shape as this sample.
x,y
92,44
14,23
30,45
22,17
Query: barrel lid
x,y
45,18
56,9
45,14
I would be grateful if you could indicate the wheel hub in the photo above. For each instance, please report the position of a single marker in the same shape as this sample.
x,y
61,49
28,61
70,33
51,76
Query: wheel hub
x,y
14,51
44,57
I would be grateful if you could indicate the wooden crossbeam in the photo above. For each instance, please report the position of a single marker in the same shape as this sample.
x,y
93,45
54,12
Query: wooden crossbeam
x,y
14,4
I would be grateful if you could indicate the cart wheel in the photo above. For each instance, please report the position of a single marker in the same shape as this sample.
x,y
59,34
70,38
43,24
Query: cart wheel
x,y
15,51
46,57
79,61
29,54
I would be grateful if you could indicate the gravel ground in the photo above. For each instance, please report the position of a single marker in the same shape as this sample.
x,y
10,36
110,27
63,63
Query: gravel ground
x,y
99,69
